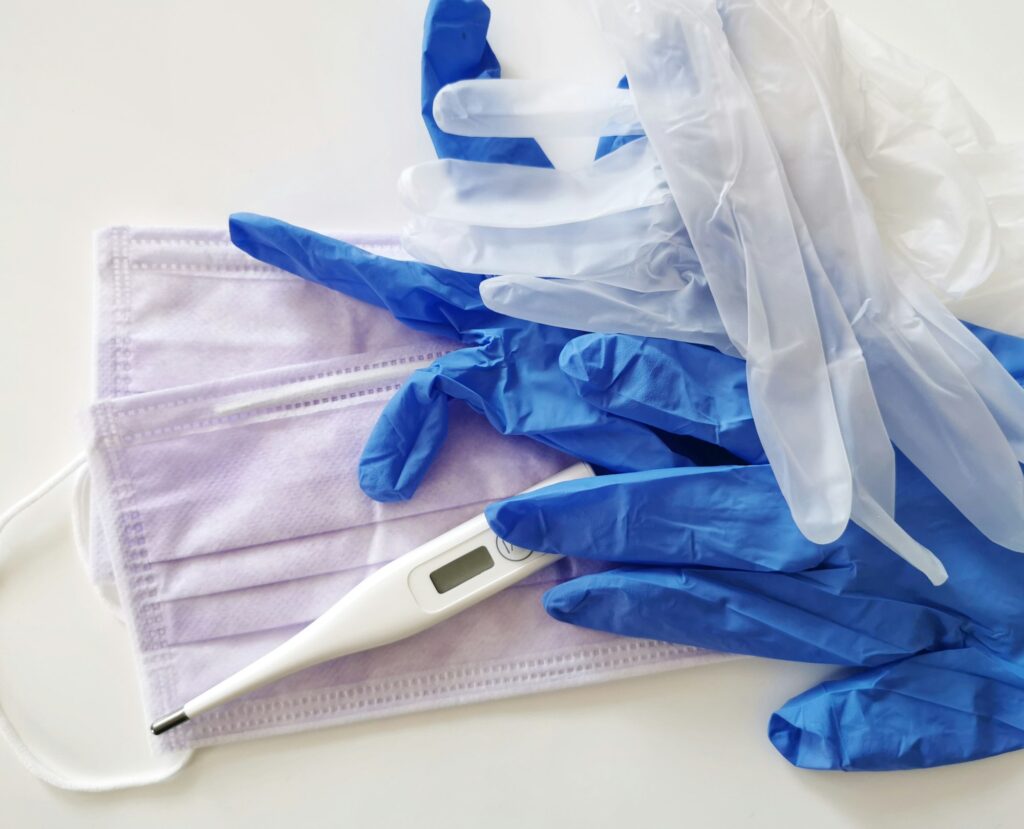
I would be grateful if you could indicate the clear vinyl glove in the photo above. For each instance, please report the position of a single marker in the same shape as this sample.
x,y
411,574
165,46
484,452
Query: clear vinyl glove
x,y
949,197
611,243
947,403
904,342
508,368
731,198
709,556
601,249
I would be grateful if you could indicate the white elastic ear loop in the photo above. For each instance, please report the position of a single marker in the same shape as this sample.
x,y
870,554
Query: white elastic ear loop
x,y
38,767
80,499
79,511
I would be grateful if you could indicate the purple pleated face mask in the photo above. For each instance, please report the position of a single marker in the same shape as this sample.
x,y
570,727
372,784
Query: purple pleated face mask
x,y
234,401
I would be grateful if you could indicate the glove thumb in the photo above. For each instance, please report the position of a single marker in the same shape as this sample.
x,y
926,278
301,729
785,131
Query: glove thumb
x,y
928,710
406,439
414,425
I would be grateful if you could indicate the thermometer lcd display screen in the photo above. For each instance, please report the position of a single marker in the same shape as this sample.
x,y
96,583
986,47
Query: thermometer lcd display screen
x,y
461,570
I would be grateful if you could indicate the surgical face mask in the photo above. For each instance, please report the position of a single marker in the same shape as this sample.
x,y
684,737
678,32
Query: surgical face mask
x,y
234,403
180,307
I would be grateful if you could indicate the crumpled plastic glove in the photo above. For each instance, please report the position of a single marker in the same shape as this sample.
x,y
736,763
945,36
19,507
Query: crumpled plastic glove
x,y
946,191
507,372
711,558
818,416
967,441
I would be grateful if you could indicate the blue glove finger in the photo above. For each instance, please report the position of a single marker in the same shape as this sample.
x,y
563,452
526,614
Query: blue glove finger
x,y
726,516
455,48
405,439
434,300
678,387
805,617
414,424
929,710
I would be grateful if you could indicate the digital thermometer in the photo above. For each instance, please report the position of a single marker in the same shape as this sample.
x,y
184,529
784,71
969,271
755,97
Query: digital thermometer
x,y
432,583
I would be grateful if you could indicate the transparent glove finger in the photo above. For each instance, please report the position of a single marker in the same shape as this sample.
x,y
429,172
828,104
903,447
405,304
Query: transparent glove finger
x,y
507,195
425,298
535,109
878,521
455,48
726,181
649,244
929,710
686,312
949,422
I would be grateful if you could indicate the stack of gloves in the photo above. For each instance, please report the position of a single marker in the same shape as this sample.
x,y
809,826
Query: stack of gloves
x,y
780,310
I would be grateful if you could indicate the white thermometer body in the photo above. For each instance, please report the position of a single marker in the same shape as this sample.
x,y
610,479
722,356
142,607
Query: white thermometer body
x,y
432,583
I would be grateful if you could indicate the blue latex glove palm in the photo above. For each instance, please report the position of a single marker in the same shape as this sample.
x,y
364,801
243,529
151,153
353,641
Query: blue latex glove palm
x,y
715,561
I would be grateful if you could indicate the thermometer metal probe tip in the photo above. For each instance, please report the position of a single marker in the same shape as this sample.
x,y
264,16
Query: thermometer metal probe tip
x,y
172,720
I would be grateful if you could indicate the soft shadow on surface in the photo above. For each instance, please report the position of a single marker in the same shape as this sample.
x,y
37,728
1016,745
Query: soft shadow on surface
x,y
683,748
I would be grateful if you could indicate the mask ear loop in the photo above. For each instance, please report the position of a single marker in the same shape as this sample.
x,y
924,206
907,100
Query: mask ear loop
x,y
37,766
80,502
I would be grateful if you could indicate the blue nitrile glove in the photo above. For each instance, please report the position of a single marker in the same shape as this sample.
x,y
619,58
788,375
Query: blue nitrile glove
x,y
713,559
509,372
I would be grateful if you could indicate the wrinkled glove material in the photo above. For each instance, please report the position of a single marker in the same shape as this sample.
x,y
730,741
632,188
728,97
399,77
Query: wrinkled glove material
x,y
709,557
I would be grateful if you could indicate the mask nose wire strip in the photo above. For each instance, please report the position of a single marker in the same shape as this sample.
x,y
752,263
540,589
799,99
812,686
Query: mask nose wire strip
x,y
34,764
301,391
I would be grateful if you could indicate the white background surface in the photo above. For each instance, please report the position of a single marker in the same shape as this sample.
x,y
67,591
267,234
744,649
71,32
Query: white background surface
x,y
178,113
